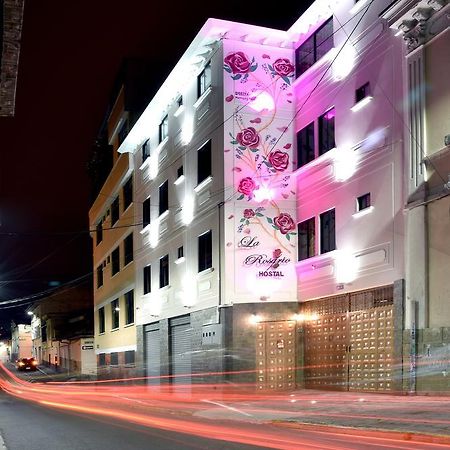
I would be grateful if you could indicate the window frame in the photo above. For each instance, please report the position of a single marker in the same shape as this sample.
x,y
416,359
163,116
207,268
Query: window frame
x,y
101,320
147,279
304,131
99,233
129,312
163,204
163,131
310,236
100,277
145,150
204,162
128,256
326,128
115,211
127,193
115,358
362,200
330,237
146,212
115,261
115,314
202,79
205,251
164,272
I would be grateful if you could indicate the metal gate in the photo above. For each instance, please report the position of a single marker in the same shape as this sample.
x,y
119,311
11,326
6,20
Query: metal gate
x,y
153,354
348,341
180,350
275,355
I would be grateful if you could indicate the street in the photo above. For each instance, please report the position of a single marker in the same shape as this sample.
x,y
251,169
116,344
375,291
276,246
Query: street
x,y
91,416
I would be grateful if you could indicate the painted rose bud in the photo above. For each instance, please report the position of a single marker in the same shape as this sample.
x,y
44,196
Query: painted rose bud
x,y
284,222
276,253
248,137
238,62
283,67
279,160
246,186
249,213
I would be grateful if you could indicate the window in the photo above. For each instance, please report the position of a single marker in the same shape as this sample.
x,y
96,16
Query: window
x,y
306,239
180,252
164,129
164,197
314,48
363,202
305,145
101,320
99,233
129,307
147,279
115,261
327,231
122,134
326,131
127,193
128,249
102,359
180,101
204,80
130,356
146,212
115,311
115,211
180,171
362,92
164,271
114,359
100,276
204,162
205,251
145,150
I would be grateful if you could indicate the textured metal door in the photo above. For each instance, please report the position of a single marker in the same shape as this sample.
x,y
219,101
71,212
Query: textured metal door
x,y
180,343
275,355
152,356
348,341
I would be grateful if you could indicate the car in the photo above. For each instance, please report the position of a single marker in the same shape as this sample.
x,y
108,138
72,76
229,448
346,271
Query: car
x,y
26,364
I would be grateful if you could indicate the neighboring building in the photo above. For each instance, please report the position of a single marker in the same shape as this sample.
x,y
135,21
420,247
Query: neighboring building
x,y
62,330
424,26
21,345
11,16
113,216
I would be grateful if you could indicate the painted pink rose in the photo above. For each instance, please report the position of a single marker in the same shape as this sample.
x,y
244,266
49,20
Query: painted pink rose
x,y
238,62
246,186
248,137
276,253
249,213
284,222
283,67
279,160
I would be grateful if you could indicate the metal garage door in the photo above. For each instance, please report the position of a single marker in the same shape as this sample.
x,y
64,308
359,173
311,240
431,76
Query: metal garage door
x,y
348,341
152,354
180,350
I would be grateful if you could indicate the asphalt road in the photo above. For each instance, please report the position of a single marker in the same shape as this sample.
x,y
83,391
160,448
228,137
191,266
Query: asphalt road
x,y
27,426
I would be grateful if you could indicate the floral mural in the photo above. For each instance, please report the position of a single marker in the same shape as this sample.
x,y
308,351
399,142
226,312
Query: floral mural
x,y
262,153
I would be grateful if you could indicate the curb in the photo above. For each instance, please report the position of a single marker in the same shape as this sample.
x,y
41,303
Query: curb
x,y
373,432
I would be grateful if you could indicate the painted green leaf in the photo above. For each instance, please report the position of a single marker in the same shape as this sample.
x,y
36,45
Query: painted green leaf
x,y
233,142
259,215
236,77
288,237
270,67
241,197
247,222
241,147
242,220
253,68
286,80
269,220
227,68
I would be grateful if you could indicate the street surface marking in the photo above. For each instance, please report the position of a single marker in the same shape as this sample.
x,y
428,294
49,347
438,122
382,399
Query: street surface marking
x,y
228,407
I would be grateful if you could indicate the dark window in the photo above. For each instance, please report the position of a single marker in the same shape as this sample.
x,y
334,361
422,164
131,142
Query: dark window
x,y
146,212
204,80
205,251
99,233
327,231
164,271
363,201
147,279
164,197
130,356
115,314
306,239
127,193
129,307
164,129
314,48
115,261
123,132
102,359
100,276
128,249
180,171
101,320
145,150
180,101
114,359
115,211
180,252
204,162
326,131
362,92
305,145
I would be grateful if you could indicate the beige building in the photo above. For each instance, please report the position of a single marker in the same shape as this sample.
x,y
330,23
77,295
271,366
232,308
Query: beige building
x,y
424,26
21,345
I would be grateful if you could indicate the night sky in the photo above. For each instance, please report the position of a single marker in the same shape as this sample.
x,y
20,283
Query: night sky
x,y
70,55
